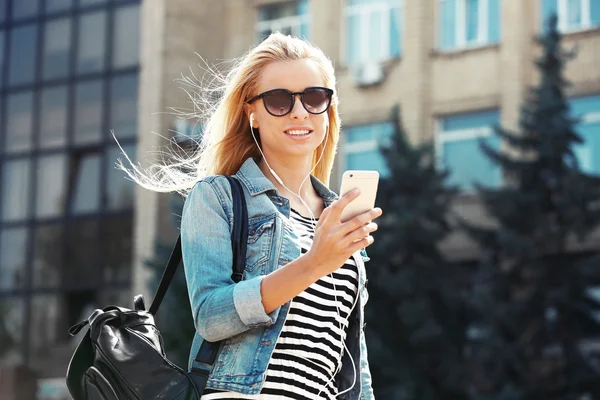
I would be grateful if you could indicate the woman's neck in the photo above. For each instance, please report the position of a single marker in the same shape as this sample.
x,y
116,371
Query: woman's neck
x,y
293,174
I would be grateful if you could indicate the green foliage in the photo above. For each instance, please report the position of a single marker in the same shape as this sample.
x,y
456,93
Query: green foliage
x,y
415,328
530,301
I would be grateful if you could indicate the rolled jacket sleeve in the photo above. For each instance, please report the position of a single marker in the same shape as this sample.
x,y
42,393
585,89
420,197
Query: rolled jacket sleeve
x,y
221,308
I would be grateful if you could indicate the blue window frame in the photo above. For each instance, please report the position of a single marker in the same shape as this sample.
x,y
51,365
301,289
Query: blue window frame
x,y
587,109
290,18
457,148
374,30
361,146
573,15
466,23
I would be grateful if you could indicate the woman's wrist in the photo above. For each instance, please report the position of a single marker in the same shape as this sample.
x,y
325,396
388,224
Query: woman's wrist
x,y
283,284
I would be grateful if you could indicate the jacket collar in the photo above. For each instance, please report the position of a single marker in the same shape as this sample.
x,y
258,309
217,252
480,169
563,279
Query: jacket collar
x,y
256,182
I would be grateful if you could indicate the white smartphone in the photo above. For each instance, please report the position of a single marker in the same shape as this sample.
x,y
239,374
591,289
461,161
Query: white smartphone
x,y
366,182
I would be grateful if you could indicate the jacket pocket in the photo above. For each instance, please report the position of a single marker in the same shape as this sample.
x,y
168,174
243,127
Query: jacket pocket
x,y
260,240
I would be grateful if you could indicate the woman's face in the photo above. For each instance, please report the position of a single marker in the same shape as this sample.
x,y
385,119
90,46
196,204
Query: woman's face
x,y
284,136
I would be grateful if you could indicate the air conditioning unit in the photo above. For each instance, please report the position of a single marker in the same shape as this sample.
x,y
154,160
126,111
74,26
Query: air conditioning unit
x,y
368,74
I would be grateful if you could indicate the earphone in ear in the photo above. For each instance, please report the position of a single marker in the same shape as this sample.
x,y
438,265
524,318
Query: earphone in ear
x,y
251,119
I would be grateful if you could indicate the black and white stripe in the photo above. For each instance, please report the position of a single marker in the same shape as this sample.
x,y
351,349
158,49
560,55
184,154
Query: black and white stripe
x,y
310,345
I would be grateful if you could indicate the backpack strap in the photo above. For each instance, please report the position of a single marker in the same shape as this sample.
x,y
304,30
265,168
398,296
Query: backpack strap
x,y
239,240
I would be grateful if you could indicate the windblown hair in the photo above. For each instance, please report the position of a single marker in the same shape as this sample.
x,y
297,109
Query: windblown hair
x,y
227,140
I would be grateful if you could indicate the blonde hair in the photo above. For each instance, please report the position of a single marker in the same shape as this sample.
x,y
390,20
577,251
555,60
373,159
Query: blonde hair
x,y
227,140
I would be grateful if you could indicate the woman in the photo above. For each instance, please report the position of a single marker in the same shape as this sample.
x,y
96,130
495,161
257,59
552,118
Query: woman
x,y
292,328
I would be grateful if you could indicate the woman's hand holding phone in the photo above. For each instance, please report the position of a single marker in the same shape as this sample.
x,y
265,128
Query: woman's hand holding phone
x,y
335,241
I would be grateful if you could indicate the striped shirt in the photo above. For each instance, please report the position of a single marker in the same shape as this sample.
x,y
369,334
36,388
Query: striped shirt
x,y
309,349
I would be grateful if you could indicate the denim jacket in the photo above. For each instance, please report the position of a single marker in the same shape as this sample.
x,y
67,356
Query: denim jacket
x,y
233,312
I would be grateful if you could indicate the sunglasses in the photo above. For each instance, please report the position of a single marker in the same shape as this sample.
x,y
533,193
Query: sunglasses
x,y
280,102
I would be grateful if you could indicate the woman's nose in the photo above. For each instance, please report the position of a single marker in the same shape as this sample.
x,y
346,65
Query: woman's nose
x,y
298,110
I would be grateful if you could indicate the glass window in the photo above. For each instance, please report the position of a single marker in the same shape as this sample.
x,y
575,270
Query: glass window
x,y
289,18
13,245
53,116
12,314
24,8
472,11
47,255
48,327
19,121
458,149
2,46
572,15
123,106
58,5
126,38
85,196
120,190
84,3
22,61
57,45
587,110
3,10
595,12
15,189
51,186
119,249
465,23
374,30
91,50
88,112
362,146
82,241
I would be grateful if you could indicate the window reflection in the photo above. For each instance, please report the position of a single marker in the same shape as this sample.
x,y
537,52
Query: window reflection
x,y
23,46
11,330
51,176
58,5
118,252
82,241
57,44
2,46
126,37
53,117
88,112
119,189
24,8
48,327
83,3
123,111
48,246
12,258
15,189
3,10
86,189
19,121
92,42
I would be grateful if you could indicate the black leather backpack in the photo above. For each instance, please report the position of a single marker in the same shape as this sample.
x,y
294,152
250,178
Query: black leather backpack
x,y
122,357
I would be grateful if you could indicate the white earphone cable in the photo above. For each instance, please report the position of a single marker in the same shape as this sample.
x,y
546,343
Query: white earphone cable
x,y
339,363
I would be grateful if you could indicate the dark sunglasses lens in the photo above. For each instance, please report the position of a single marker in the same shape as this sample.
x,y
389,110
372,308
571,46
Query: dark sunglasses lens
x,y
316,100
278,102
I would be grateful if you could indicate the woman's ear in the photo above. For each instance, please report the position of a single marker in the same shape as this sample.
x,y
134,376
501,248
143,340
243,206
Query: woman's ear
x,y
251,116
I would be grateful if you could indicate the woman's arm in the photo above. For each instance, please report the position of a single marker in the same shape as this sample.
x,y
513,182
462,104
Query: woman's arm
x,y
221,307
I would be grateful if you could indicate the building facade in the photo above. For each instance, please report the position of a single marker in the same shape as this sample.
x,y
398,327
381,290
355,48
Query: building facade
x,y
74,234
